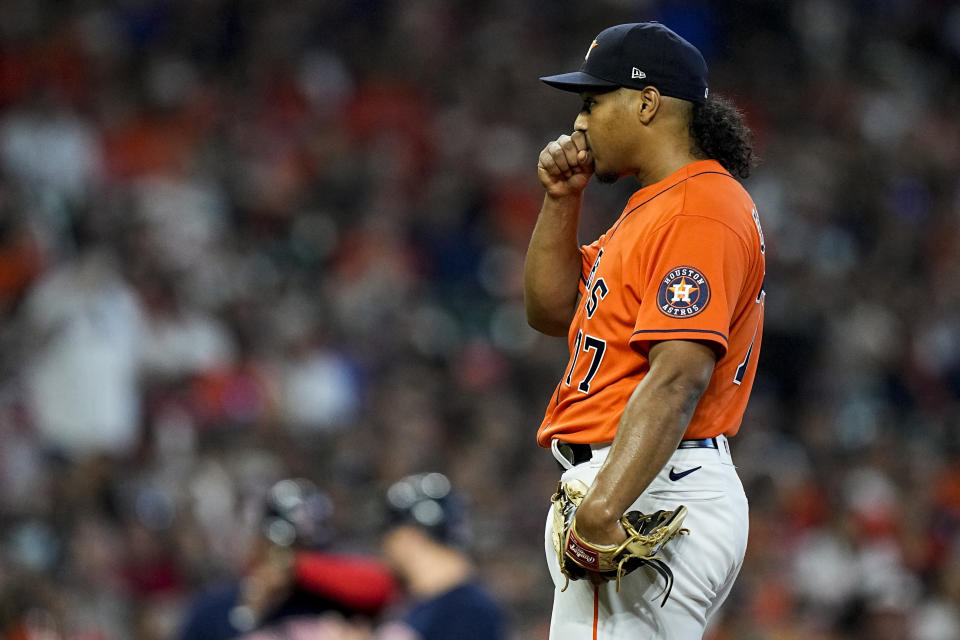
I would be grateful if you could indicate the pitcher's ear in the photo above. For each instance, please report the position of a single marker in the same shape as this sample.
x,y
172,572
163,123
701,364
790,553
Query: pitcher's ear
x,y
648,104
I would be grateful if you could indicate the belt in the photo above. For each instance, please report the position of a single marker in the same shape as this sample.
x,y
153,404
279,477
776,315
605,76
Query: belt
x,y
580,453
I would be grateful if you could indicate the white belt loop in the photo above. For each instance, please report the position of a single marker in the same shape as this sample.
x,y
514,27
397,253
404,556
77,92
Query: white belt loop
x,y
555,450
723,448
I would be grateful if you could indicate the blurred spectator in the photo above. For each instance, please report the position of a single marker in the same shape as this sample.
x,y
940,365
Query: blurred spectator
x,y
85,334
54,153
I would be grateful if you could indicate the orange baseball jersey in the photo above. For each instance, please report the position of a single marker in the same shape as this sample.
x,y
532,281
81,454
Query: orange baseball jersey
x,y
685,261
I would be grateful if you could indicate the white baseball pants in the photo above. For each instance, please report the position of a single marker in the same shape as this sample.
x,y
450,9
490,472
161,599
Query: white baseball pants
x,y
705,563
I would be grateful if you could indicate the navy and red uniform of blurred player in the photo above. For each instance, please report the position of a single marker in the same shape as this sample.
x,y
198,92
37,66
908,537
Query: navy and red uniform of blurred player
x,y
291,574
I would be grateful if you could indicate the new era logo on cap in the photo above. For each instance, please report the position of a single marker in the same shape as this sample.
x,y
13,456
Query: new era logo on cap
x,y
670,63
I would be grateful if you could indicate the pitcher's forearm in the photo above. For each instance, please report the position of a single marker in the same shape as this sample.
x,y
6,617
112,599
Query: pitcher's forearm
x,y
552,267
651,427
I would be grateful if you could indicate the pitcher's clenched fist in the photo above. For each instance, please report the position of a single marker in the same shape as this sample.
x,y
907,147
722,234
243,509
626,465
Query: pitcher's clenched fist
x,y
565,165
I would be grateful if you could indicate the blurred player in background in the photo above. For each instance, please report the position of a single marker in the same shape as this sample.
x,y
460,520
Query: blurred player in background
x,y
293,580
663,316
426,544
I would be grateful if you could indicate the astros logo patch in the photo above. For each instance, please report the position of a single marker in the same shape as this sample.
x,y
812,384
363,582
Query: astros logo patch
x,y
684,292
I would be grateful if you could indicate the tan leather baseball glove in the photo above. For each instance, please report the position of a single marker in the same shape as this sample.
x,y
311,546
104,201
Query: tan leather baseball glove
x,y
646,534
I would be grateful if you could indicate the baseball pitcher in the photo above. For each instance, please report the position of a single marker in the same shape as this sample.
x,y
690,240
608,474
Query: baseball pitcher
x,y
663,316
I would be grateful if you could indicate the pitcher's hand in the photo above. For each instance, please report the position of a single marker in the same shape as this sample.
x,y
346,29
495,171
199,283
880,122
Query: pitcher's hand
x,y
565,165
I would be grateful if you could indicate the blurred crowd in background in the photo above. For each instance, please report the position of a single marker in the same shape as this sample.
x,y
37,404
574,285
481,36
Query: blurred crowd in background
x,y
242,240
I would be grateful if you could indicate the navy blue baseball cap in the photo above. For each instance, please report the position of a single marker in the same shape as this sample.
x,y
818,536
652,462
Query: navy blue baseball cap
x,y
427,500
297,514
635,56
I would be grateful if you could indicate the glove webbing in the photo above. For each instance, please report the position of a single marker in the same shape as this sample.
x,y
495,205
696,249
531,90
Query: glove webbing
x,y
660,567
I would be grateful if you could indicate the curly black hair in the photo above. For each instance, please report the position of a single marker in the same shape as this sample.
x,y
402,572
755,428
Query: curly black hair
x,y
719,132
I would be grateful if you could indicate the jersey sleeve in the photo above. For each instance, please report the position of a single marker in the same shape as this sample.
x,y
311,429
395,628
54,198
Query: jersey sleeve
x,y
691,273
